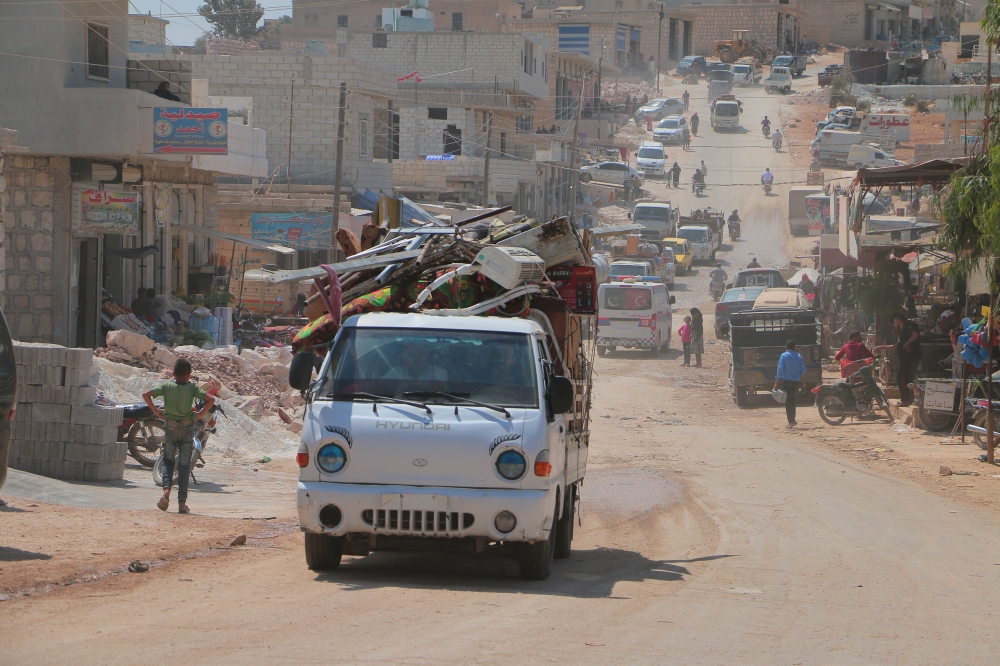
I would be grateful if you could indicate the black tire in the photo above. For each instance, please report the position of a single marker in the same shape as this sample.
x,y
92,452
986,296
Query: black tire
x,y
585,177
830,401
145,439
654,351
742,397
612,349
980,437
564,531
666,345
323,553
727,55
601,350
534,562
935,421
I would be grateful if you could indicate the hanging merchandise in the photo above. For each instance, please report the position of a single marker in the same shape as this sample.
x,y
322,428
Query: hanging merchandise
x,y
976,341
161,202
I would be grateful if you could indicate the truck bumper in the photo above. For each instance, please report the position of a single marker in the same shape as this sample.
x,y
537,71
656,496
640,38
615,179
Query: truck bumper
x,y
411,511
760,378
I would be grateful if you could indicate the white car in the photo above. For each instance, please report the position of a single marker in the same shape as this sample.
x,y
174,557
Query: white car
x,y
610,172
671,130
651,158
700,238
658,109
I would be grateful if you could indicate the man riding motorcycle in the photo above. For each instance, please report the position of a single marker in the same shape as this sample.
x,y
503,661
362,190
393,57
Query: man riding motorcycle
x,y
766,126
734,224
767,179
776,139
698,182
717,281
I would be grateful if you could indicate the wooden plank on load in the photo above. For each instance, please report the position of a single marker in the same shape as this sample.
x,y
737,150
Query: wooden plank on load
x,y
350,265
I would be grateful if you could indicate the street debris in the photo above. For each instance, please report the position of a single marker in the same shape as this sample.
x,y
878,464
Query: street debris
x,y
239,541
138,567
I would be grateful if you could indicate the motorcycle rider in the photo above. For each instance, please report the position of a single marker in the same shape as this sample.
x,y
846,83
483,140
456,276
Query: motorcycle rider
x,y
767,178
734,222
675,171
717,279
753,263
776,138
697,180
766,126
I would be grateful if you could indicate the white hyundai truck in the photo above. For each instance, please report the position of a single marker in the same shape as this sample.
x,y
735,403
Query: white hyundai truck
x,y
426,432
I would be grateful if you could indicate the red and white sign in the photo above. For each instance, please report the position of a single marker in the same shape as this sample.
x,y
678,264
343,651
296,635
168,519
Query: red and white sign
x,y
897,122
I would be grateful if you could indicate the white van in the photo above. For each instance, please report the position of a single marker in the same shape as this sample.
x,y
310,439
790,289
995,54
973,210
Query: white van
x,y
863,156
450,432
833,146
650,158
700,238
634,315
726,114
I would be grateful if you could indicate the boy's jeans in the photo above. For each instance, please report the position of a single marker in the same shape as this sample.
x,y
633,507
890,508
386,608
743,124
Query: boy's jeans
x,y
179,443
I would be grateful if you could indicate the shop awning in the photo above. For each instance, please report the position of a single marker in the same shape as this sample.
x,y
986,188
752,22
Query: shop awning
x,y
256,244
931,172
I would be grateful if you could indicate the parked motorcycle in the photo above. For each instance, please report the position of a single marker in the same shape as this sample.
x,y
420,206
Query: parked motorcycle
x,y
205,429
858,396
979,421
143,432
734,231
716,289
698,189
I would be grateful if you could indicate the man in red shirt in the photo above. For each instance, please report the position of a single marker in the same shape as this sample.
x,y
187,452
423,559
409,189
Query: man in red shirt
x,y
854,350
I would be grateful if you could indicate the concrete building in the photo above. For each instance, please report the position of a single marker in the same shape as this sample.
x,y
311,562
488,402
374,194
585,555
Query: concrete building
x,y
322,21
147,29
777,24
85,138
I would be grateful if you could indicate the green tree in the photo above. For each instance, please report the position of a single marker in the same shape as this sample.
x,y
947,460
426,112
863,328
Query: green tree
x,y
233,19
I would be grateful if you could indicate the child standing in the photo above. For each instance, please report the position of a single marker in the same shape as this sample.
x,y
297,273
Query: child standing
x,y
180,421
685,333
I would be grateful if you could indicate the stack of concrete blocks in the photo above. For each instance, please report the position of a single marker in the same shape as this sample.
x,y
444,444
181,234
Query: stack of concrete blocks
x,y
147,73
58,430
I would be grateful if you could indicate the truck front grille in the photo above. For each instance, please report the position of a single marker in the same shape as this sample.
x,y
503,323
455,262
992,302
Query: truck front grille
x,y
418,523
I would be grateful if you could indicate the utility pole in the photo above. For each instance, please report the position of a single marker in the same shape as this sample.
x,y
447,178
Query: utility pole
x,y
388,134
288,164
659,50
486,165
574,177
339,173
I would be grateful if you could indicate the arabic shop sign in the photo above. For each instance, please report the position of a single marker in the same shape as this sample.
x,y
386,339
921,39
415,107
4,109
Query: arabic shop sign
x,y
303,231
897,122
105,212
190,131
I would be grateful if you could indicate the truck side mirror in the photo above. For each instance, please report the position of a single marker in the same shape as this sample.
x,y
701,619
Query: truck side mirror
x,y
300,371
561,394
673,299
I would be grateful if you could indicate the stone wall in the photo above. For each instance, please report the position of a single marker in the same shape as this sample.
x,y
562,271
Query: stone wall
x,y
37,189
147,74
147,29
717,22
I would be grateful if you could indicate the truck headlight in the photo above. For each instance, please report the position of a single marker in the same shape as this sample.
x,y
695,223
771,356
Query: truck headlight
x,y
511,465
505,522
331,458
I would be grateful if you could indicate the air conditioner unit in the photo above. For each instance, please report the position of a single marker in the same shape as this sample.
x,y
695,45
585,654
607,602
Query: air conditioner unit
x,y
510,266
103,172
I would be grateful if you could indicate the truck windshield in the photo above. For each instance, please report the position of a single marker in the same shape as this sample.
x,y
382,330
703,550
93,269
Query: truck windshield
x,y
651,153
626,298
728,109
651,213
693,235
741,69
494,368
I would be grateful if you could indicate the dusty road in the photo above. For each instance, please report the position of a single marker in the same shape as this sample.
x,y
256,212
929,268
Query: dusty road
x,y
709,535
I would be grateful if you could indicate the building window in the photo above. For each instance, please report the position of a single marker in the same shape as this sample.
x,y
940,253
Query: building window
x,y
380,40
363,142
452,140
529,58
98,52
378,20
456,21
503,143
341,20
525,124
437,114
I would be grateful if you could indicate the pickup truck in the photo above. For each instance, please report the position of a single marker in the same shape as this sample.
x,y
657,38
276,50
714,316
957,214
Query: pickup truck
x,y
757,338
780,78
658,217
440,431
747,72
661,268
796,63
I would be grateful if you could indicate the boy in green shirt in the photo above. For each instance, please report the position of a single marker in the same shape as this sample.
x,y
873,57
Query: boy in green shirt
x,y
180,421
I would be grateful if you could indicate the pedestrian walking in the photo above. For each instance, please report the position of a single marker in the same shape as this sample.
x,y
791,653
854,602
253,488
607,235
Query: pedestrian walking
x,y
687,140
697,335
675,171
704,169
687,99
694,122
685,332
791,367
649,123
907,354
628,187
180,421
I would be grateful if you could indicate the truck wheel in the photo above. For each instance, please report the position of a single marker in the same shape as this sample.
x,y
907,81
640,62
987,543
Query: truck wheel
x,y
535,559
666,345
612,349
831,403
742,397
323,552
601,350
936,421
654,351
564,533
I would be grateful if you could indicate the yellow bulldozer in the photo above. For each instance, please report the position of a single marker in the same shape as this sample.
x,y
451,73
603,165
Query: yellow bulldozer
x,y
741,46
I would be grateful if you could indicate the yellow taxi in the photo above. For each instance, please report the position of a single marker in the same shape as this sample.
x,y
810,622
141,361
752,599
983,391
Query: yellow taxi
x,y
683,253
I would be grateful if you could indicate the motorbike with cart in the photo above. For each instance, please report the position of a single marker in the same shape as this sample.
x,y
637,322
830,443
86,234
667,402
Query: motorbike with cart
x,y
858,396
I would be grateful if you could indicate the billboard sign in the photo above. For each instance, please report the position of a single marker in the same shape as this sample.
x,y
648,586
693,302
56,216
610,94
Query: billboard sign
x,y
302,231
897,122
186,131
